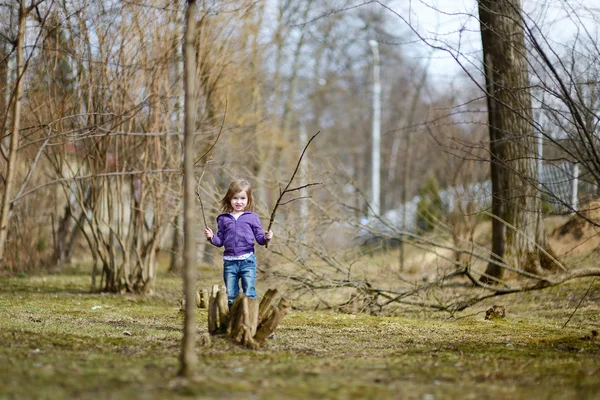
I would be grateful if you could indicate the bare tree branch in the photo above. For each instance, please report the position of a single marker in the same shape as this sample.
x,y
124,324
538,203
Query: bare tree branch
x,y
286,189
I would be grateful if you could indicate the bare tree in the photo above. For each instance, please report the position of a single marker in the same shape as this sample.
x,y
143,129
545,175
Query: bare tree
x,y
16,99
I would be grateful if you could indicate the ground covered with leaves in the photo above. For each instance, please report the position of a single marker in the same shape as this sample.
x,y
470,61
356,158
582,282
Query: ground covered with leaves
x,y
58,340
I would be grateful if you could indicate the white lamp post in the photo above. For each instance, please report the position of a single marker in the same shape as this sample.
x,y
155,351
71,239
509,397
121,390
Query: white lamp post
x,y
376,133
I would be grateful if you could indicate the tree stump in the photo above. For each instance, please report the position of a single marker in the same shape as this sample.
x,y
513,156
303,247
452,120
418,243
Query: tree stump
x,y
249,322
202,298
213,310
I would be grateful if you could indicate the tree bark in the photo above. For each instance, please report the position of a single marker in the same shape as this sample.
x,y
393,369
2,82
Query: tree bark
x,y
65,227
516,199
497,159
270,323
175,263
265,304
4,79
213,311
223,309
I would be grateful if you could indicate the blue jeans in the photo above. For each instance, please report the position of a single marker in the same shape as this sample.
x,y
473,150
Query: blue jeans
x,y
235,270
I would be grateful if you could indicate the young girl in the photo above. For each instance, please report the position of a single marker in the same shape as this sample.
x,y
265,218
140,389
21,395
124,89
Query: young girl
x,y
238,226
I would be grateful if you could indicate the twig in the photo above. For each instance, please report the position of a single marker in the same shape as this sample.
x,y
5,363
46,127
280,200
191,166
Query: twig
x,y
218,135
205,164
202,209
94,176
200,197
286,189
294,199
580,301
303,186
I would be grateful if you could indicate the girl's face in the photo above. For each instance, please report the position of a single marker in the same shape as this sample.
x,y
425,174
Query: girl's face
x,y
239,201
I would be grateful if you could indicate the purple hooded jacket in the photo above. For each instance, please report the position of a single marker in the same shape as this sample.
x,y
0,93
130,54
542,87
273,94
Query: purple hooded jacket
x,y
238,235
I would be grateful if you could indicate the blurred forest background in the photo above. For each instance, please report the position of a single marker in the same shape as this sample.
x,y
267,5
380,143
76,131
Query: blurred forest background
x,y
91,153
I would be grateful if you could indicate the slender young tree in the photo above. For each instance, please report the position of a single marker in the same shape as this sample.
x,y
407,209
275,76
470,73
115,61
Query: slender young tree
x,y
9,180
188,354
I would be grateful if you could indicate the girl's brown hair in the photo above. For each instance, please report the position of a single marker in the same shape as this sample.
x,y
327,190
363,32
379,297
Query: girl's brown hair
x,y
240,185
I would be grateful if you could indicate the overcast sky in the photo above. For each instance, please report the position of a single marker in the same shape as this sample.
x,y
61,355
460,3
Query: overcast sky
x,y
453,24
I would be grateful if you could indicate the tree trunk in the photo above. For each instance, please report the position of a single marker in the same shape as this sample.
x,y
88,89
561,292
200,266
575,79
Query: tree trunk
x,y
6,205
516,199
4,78
175,260
69,229
188,353
65,227
497,159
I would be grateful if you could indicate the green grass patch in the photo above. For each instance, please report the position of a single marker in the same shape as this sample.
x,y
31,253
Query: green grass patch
x,y
58,340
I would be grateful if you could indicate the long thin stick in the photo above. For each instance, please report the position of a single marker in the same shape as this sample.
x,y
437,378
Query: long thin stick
x,y
286,189
205,164
218,135
580,301
200,197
